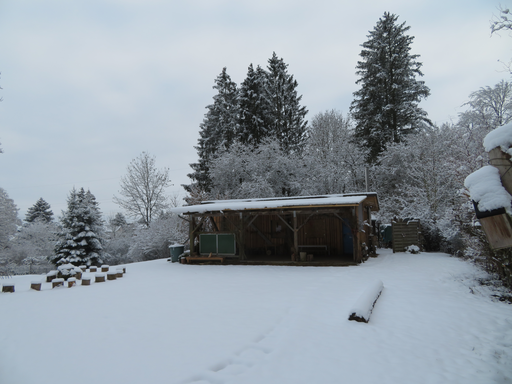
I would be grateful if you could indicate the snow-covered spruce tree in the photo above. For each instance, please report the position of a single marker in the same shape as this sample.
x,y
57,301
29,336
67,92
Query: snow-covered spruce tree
x,y
80,241
40,211
217,131
286,116
334,163
385,108
253,123
116,223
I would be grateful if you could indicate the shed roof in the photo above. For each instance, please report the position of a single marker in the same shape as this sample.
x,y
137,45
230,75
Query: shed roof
x,y
340,200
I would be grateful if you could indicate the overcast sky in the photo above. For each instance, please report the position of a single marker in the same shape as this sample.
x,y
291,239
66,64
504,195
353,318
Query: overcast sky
x,y
90,84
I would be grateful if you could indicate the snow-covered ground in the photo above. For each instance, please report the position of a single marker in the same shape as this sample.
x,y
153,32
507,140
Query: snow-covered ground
x,y
172,323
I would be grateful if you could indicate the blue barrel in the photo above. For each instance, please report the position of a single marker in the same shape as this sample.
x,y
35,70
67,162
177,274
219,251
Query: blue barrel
x,y
176,251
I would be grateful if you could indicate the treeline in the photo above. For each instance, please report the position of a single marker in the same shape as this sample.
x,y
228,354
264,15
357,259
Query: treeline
x,y
82,236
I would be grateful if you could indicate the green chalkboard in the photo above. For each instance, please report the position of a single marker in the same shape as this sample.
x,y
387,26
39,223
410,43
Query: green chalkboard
x,y
208,244
226,244
217,243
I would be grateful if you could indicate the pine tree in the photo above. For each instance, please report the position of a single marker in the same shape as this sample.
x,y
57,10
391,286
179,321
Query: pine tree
x,y
385,108
253,124
217,131
80,240
286,115
40,211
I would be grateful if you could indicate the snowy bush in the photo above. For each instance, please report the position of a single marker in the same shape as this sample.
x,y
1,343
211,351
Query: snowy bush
x,y
153,242
414,249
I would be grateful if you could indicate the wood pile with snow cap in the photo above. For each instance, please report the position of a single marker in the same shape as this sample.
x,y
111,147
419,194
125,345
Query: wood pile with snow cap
x,y
363,307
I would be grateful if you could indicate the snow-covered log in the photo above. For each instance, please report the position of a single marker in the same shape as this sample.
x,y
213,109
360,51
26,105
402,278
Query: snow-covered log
x,y
35,285
8,287
99,278
363,307
57,282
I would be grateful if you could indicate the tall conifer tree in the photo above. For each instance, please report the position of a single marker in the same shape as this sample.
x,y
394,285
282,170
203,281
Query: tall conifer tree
x,y
286,116
385,108
254,123
40,211
80,240
217,131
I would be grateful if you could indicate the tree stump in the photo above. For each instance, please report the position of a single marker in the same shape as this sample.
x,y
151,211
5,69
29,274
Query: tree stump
x,y
86,281
99,278
8,287
35,285
57,282
51,275
111,275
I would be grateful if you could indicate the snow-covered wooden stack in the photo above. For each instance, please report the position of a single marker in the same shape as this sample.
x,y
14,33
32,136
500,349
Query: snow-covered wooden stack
x,y
490,188
8,287
99,278
363,307
57,282
35,285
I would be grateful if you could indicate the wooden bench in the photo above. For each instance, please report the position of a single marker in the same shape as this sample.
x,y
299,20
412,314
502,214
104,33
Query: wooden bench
x,y
312,248
191,259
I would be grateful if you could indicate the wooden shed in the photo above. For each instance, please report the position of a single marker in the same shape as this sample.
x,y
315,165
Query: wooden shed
x,y
326,229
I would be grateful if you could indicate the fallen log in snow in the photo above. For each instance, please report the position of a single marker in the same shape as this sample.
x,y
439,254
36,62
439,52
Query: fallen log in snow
x,y
363,307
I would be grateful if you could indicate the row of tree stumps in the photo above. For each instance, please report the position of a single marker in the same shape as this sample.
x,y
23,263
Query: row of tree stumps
x,y
56,279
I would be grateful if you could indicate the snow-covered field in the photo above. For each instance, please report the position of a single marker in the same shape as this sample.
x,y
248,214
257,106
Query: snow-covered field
x,y
172,323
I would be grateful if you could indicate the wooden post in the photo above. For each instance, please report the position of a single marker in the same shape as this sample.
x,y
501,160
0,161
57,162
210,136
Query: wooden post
x,y
191,234
242,238
501,161
295,236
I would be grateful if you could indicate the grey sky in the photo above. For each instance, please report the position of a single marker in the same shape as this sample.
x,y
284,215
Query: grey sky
x,y
89,85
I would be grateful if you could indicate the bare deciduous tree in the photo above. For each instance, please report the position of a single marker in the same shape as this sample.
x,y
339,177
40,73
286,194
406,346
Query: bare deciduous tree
x,y
143,189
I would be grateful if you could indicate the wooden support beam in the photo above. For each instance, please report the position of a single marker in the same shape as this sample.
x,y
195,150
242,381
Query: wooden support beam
x,y
304,223
284,221
295,236
214,224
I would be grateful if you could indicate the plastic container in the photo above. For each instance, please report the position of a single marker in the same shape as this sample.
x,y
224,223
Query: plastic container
x,y
176,251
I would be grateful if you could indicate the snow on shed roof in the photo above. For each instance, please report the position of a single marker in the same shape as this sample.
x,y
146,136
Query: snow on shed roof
x,y
276,202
